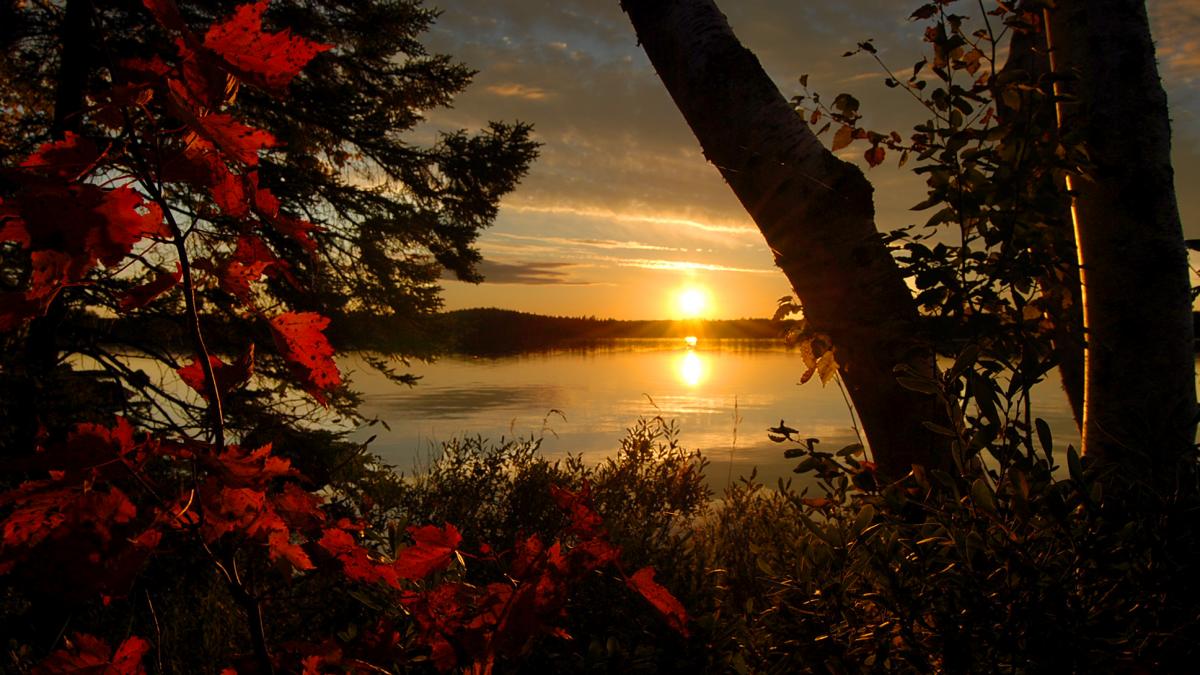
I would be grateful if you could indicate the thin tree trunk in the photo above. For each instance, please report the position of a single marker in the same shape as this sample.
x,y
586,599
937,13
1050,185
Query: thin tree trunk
x,y
1140,396
1029,60
41,343
816,213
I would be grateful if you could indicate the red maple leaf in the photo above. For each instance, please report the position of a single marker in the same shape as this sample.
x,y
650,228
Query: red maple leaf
x,y
126,219
239,141
250,468
228,376
140,296
50,271
431,551
249,262
200,164
298,507
280,547
242,510
265,60
87,654
356,561
585,522
86,222
667,605
70,158
266,205
300,340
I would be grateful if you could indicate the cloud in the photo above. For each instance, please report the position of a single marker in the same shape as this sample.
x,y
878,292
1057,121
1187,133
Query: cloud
x,y
556,243
529,273
1176,26
686,265
725,227
518,91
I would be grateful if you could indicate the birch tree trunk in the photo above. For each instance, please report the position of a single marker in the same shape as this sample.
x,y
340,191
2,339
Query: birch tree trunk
x,y
1140,396
816,213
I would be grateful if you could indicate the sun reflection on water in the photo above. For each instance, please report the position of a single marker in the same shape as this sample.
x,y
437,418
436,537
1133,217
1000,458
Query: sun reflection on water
x,y
692,368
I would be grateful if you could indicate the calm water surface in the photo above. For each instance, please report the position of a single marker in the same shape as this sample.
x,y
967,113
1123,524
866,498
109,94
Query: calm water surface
x,y
723,394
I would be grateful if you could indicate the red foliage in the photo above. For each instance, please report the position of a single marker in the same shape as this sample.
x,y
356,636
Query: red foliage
x,y
97,504
228,376
356,561
431,551
71,158
667,605
457,620
88,655
265,60
299,338
140,296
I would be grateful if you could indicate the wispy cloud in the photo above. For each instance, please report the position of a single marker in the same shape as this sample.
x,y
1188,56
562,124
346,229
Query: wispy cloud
x,y
529,273
873,75
521,91
590,212
687,265
610,244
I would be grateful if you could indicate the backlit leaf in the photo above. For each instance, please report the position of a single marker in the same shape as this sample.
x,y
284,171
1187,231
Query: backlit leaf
x,y
140,296
875,155
843,137
431,551
228,376
266,60
667,605
300,340
89,654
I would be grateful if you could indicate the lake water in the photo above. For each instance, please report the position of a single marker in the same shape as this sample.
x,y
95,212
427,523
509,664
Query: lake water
x,y
724,394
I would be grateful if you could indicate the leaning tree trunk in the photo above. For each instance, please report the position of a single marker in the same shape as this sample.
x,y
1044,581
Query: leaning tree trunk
x,y
816,213
1140,395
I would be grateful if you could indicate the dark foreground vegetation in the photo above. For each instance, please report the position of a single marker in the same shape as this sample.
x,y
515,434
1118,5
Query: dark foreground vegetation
x,y
1016,573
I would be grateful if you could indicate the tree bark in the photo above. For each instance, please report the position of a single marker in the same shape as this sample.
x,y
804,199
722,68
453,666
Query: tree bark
x,y
1140,396
41,349
816,213
1029,60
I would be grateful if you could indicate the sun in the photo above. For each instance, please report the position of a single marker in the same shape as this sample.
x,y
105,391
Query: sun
x,y
692,302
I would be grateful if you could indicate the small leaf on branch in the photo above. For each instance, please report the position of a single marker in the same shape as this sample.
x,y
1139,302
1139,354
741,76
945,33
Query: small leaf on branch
x,y
924,11
843,137
875,155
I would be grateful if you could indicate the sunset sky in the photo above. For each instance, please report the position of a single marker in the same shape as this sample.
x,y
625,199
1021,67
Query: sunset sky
x,y
621,214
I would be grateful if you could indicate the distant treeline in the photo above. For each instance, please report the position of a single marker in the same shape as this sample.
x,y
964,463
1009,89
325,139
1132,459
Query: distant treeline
x,y
500,331
468,331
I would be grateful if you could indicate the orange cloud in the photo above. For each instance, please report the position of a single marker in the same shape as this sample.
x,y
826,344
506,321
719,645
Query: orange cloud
x,y
513,90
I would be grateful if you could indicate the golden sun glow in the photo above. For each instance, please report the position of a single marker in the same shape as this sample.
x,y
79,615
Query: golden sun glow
x,y
692,302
